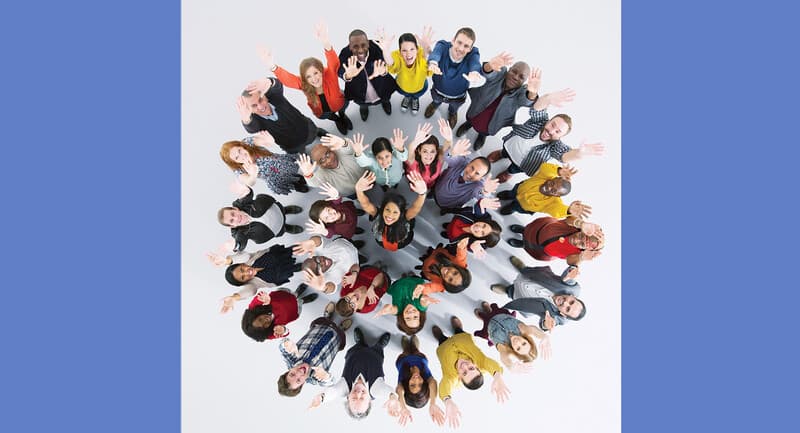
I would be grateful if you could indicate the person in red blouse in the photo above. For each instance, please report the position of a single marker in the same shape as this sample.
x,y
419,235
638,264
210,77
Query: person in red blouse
x,y
268,313
334,216
570,238
362,289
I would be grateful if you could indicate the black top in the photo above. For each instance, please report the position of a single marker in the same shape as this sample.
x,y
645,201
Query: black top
x,y
356,89
292,130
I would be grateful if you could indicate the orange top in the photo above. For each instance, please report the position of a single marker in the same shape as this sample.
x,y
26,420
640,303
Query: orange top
x,y
435,285
330,84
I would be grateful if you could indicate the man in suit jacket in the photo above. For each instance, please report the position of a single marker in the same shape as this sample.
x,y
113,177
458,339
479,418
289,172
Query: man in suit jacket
x,y
363,70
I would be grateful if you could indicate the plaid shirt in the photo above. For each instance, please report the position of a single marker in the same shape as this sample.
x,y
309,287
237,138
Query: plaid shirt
x,y
318,348
538,154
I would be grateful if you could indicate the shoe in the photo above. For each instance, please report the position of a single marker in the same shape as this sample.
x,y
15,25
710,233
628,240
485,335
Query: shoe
x,y
347,122
453,119
346,323
404,343
503,177
358,244
362,259
414,106
437,332
360,212
517,262
384,340
430,109
404,104
507,209
443,212
292,209
463,128
387,107
516,228
506,195
516,243
321,132
444,235
309,298
495,156
364,110
444,225
486,307
358,336
341,126
292,229
415,341
478,144
301,186
328,311
455,322
499,289
477,313
359,230
301,289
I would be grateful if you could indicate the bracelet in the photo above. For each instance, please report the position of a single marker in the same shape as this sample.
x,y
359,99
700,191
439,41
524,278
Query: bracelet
x,y
308,176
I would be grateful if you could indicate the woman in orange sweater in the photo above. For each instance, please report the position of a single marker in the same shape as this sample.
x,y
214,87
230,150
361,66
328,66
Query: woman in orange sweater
x,y
319,83
444,270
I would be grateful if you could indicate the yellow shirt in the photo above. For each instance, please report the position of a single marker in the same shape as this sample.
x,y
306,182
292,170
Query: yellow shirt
x,y
461,346
412,78
531,199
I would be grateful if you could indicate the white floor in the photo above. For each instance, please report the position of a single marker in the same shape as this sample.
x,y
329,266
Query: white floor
x,y
229,381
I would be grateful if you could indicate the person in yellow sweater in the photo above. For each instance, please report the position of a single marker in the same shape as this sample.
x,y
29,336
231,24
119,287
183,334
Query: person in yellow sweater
x,y
409,65
463,362
542,192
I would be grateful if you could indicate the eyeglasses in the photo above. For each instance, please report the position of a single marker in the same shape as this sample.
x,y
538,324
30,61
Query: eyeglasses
x,y
350,302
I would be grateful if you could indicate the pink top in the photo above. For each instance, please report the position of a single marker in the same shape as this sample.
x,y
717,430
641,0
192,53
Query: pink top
x,y
411,165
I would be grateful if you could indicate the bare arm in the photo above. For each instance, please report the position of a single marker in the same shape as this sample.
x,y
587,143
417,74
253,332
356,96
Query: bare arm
x,y
364,184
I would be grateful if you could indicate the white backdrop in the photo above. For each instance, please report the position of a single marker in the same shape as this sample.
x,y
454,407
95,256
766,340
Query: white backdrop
x,y
228,380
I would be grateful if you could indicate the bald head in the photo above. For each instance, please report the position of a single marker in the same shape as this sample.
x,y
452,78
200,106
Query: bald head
x,y
324,156
517,75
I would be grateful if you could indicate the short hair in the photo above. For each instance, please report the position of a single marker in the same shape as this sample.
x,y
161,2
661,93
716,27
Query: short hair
x,y
474,383
485,162
357,416
258,334
406,37
583,311
221,214
466,31
357,32
283,387
229,275
316,209
380,144
343,307
567,120
401,323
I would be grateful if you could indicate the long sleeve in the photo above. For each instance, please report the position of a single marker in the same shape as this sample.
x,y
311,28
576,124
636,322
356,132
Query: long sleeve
x,y
288,79
366,160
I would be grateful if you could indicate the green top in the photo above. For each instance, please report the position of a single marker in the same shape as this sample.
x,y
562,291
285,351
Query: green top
x,y
402,290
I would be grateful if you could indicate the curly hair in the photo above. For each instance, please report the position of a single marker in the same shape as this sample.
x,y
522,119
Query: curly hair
x,y
254,151
308,89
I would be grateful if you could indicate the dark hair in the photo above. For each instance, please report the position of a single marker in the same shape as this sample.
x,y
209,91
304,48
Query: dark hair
x,y
485,162
357,32
380,144
398,231
229,275
283,387
583,311
401,323
343,307
436,269
256,333
468,32
316,209
567,120
474,383
406,37
419,399
491,239
356,416
418,157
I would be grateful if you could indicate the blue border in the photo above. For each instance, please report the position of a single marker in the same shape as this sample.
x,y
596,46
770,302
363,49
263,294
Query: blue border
x,y
91,181
708,88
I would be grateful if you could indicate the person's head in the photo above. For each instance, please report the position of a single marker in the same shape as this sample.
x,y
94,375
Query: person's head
x,y
238,274
347,304
487,230
556,187
462,43
235,154
291,383
477,169
317,264
427,154
408,48
410,320
257,322
455,278
522,347
358,401
469,374
555,128
324,156
382,150
257,102
517,75
232,217
570,307
416,392
311,77
586,242
391,216
322,212
358,44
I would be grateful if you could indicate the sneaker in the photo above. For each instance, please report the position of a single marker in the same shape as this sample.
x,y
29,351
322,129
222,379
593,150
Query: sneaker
x,y
360,212
359,230
301,289
516,243
503,177
455,322
362,259
517,262
364,110
301,186
500,289
309,298
358,335
358,244
507,209
292,229
404,104
384,340
387,107
495,156
414,106
321,132
346,323
444,225
463,128
453,119
430,109
341,126
292,209
437,332
347,122
516,228
443,234
478,144
506,195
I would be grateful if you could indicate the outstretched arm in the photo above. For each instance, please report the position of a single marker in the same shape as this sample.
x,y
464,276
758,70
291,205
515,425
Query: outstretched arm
x,y
364,184
556,99
586,149
417,185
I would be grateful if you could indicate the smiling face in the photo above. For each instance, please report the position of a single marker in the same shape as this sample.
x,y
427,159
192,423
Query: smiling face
x,y
411,316
240,155
520,345
257,103
359,46
329,215
427,153
325,157
467,371
554,129
450,275
408,51
318,264
462,45
517,75
475,170
263,321
244,273
568,305
391,213
313,76
584,242
235,218
415,381
358,399
480,229
553,187
296,376
384,159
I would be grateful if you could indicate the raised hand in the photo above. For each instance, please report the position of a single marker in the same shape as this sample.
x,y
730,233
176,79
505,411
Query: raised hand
x,y
245,112
351,69
384,42
460,148
306,166
387,309
472,77
561,97
426,38
434,68
279,330
452,413
250,168
366,181
426,300
378,69
316,401
490,186
305,247
489,202
587,255
290,346
423,132
405,416
544,347
521,367
238,188
463,243
477,249
572,273
437,414
265,53
314,279
333,142
567,171
549,321
590,228
227,304
228,245
499,388
535,81
579,209
398,139
260,85
349,278
329,190
372,297
445,131
263,297
503,59
593,149
416,183
392,407
320,373
358,143
417,291
321,33
218,259
316,228
264,139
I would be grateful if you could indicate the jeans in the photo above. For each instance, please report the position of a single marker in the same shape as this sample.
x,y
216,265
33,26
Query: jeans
x,y
453,104
416,95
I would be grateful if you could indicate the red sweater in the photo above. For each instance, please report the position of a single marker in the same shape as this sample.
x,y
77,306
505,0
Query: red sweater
x,y
284,308
364,278
330,84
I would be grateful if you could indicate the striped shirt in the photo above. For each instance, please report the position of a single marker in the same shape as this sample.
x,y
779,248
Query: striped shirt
x,y
318,348
522,135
